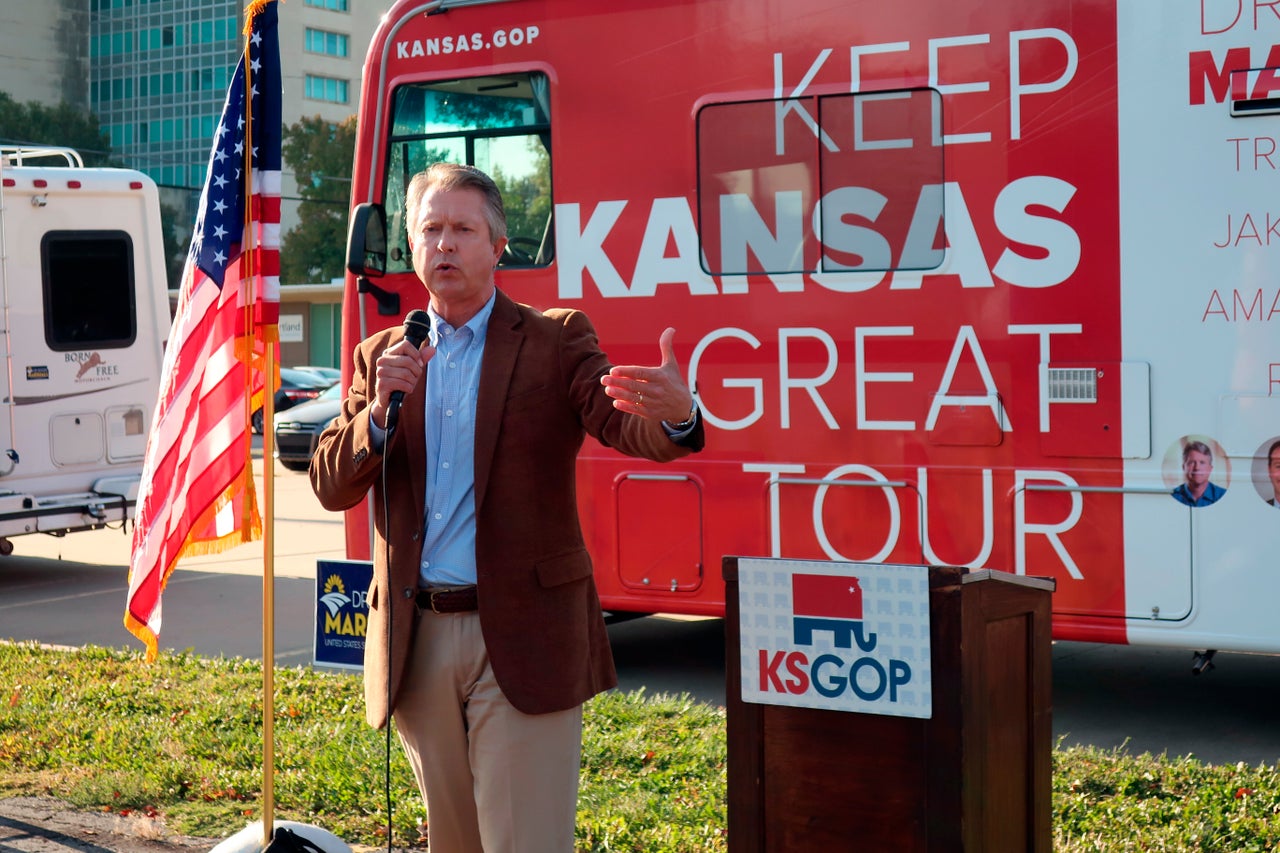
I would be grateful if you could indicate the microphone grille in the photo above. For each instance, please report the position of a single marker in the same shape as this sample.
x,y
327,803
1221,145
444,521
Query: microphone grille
x,y
417,326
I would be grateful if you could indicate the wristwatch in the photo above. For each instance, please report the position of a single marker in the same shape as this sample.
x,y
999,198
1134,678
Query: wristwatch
x,y
688,422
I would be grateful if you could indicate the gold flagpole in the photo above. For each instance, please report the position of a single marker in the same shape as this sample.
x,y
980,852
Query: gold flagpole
x,y
268,458
268,598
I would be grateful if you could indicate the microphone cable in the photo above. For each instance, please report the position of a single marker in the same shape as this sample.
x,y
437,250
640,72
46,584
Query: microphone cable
x,y
386,525
417,328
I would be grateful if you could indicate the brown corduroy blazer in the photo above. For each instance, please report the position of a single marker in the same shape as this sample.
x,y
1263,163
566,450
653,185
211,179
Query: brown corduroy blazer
x,y
539,395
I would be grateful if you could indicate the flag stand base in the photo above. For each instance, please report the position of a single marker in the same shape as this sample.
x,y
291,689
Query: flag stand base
x,y
249,839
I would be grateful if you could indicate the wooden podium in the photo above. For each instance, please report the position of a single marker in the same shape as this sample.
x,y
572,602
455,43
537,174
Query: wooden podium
x,y
974,777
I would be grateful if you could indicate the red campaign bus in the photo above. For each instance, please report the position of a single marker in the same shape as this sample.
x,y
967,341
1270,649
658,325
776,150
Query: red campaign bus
x,y
987,285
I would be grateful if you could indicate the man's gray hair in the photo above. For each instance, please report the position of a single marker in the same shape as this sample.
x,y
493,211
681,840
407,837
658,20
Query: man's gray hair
x,y
452,176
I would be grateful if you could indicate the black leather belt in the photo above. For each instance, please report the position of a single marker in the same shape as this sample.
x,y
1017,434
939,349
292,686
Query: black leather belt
x,y
457,599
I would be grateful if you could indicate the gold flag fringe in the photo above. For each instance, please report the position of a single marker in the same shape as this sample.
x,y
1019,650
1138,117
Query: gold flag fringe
x,y
250,532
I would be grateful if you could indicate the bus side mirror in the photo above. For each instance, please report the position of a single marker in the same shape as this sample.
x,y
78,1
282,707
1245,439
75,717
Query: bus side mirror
x,y
367,241
367,255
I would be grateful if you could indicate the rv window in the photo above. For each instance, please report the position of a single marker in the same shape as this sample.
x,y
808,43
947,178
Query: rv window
x,y
88,289
499,124
849,183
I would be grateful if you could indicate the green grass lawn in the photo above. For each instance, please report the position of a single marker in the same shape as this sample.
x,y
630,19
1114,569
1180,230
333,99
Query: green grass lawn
x,y
182,738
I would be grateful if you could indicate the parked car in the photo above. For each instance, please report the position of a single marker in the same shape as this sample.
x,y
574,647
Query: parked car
x,y
297,429
333,374
296,386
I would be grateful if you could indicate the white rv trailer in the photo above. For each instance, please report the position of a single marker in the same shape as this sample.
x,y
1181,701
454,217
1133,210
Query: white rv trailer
x,y
83,319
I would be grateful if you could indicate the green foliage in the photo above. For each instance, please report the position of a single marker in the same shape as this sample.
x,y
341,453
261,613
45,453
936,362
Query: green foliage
x,y
66,126
177,238
653,775
321,155
1108,800
182,738
527,199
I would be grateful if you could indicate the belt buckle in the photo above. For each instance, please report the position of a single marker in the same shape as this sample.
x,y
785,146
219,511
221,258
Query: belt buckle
x,y
431,598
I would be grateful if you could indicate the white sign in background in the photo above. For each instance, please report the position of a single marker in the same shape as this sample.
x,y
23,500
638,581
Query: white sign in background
x,y
291,328
824,657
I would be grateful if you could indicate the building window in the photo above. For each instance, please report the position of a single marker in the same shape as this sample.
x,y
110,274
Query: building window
x,y
771,202
201,79
330,44
326,89
331,5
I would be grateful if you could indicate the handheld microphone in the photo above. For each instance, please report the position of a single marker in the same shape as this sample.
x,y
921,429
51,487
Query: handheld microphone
x,y
417,327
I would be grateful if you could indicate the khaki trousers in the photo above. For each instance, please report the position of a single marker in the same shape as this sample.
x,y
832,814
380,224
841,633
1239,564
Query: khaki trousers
x,y
495,780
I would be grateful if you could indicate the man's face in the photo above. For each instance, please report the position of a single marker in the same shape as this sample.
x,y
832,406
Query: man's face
x,y
1273,471
1196,468
452,250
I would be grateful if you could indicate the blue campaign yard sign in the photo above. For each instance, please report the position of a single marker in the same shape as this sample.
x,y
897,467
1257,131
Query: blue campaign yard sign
x,y
342,612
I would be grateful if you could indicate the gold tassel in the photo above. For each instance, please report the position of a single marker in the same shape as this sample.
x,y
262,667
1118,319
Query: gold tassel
x,y
251,11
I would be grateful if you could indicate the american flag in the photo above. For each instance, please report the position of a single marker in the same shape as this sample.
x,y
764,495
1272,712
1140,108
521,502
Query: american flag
x,y
197,494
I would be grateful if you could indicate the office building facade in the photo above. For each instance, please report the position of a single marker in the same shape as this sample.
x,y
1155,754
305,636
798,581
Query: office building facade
x,y
43,52
158,72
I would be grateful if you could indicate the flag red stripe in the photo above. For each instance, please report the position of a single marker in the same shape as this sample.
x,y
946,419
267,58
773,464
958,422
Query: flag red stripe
x,y
197,491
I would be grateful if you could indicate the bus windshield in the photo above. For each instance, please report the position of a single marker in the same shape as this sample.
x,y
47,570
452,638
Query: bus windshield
x,y
499,124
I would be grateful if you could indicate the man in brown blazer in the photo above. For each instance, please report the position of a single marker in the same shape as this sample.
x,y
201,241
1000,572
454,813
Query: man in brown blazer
x,y
485,634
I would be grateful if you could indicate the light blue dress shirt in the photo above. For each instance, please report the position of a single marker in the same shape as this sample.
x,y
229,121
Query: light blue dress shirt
x,y
453,377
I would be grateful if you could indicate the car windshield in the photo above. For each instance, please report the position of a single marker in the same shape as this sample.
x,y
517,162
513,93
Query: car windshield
x,y
332,374
333,392
301,379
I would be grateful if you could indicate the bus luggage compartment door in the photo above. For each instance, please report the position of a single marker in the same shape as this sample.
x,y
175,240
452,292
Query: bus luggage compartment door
x,y
659,532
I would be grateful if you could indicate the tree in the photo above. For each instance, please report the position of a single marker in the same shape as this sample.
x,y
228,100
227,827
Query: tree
x,y
527,200
320,154
65,126
177,240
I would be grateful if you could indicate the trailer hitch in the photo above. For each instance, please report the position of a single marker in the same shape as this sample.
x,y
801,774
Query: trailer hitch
x,y
1202,661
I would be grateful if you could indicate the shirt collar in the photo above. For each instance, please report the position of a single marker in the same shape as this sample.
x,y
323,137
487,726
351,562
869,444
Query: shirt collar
x,y
479,324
